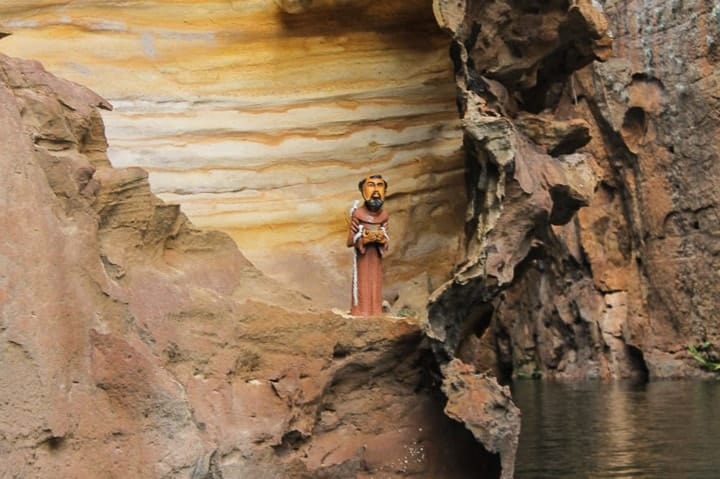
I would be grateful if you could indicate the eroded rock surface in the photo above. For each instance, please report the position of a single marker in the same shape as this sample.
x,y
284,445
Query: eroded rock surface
x,y
554,121
134,345
525,173
485,408
589,249
260,122
649,235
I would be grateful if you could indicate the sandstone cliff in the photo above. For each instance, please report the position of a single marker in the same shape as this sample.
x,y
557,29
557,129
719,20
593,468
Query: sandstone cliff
x,y
134,345
260,123
113,303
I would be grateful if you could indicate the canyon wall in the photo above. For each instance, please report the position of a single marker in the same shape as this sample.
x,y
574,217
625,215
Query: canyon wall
x,y
650,236
573,201
623,287
134,345
261,122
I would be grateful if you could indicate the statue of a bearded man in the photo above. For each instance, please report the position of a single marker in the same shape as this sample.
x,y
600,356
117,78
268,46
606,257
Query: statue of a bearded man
x,y
369,238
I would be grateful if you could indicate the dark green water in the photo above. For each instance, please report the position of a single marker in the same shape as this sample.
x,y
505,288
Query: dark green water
x,y
594,430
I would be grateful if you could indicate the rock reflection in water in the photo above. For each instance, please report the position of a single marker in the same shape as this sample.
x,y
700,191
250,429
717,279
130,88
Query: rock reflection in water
x,y
594,430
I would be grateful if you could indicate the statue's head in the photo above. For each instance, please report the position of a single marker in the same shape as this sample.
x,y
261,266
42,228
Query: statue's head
x,y
373,190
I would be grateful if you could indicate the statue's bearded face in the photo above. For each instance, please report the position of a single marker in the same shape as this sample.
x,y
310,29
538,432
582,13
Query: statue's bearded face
x,y
374,193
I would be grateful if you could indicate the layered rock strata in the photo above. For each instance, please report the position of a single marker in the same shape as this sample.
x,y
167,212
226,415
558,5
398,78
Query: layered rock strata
x,y
134,345
260,122
615,291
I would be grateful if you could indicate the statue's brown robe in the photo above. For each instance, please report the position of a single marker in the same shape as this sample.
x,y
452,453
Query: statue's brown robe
x,y
369,265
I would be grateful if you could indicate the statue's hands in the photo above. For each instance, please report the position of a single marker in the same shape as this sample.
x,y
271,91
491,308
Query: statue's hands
x,y
354,225
385,238
382,235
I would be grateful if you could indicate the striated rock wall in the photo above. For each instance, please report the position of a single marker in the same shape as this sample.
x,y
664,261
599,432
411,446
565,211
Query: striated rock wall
x,y
260,122
588,238
134,345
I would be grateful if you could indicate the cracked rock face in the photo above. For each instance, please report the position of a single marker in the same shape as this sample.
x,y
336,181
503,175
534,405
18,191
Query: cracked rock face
x,y
485,408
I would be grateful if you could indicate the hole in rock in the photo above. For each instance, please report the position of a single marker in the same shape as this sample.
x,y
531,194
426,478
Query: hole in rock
x,y
460,455
637,364
291,441
54,443
634,124
340,350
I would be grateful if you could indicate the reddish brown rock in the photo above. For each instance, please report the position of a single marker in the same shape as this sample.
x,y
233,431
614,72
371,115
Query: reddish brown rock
x,y
137,342
134,345
649,234
485,408
527,178
620,289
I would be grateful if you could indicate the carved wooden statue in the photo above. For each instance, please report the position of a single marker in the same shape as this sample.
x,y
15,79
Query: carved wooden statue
x,y
369,238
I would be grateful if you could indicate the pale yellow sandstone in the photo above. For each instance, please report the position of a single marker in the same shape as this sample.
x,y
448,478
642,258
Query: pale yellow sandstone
x,y
260,123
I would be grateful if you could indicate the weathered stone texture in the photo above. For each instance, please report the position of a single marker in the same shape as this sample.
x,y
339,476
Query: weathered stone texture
x,y
134,345
655,106
526,176
589,232
620,289
260,123
486,410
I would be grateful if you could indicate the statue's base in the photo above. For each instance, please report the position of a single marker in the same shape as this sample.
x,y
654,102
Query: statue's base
x,y
347,315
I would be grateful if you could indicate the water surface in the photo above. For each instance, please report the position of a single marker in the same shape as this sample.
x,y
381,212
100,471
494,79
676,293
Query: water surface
x,y
593,430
